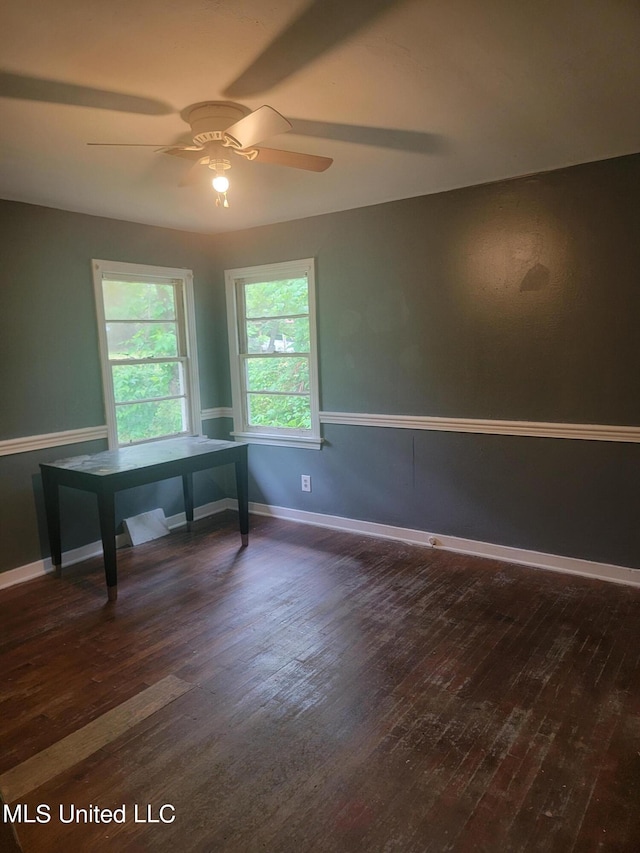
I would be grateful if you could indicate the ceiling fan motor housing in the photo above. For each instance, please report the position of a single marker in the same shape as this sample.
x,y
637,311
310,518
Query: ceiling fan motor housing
x,y
209,121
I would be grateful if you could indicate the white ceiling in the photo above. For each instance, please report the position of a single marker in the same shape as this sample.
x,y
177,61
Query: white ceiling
x,y
408,97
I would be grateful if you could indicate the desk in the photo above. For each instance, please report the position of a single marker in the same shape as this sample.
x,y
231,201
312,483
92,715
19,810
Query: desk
x,y
106,473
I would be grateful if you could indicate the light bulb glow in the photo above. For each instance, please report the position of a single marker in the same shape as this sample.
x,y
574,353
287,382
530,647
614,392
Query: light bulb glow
x,y
220,183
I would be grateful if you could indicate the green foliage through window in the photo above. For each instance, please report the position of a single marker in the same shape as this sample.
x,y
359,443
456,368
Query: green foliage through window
x,y
142,323
279,411
277,344
276,298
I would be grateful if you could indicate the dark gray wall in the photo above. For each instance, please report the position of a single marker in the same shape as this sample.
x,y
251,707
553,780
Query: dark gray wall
x,y
50,364
518,300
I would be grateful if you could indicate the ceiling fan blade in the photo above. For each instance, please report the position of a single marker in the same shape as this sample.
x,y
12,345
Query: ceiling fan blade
x,y
258,125
309,162
321,27
27,88
128,145
190,152
173,148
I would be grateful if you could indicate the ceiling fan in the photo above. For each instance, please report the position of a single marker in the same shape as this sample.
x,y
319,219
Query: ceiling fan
x,y
219,128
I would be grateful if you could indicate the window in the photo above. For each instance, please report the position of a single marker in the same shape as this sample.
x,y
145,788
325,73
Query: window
x,y
272,342
146,328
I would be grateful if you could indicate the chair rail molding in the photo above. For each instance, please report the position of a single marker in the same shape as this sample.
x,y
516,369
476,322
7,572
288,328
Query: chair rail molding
x,y
218,412
535,429
28,443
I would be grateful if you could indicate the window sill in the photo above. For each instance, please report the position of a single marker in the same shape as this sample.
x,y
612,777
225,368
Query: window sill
x,y
298,441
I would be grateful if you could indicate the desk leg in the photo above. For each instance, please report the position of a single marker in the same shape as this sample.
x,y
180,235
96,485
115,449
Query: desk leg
x,y
187,490
52,509
107,513
242,475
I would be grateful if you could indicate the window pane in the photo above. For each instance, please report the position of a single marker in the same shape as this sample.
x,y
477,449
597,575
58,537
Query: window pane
x,y
278,335
142,381
137,300
150,420
278,374
272,411
269,298
142,340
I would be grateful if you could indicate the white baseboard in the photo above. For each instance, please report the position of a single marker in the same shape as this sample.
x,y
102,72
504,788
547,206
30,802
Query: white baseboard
x,y
199,512
520,556
43,567
39,568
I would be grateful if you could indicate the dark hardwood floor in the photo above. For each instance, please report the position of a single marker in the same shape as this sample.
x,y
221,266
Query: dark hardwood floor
x,y
340,693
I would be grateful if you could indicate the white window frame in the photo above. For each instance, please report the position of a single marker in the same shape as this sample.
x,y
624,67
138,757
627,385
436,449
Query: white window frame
x,y
187,321
234,281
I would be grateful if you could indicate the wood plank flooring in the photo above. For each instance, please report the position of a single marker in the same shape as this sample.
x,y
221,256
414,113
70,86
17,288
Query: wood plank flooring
x,y
341,694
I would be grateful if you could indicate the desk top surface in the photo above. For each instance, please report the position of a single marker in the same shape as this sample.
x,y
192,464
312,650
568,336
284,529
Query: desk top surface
x,y
142,455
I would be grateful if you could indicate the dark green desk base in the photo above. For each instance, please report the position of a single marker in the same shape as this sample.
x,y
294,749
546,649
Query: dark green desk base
x,y
106,473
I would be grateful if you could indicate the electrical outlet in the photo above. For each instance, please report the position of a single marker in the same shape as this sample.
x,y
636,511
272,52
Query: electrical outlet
x,y
305,482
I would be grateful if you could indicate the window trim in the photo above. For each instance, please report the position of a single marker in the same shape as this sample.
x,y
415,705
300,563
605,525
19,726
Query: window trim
x,y
186,327
234,281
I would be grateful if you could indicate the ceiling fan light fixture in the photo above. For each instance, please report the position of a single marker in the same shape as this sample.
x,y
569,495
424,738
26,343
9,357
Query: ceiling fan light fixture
x,y
220,183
